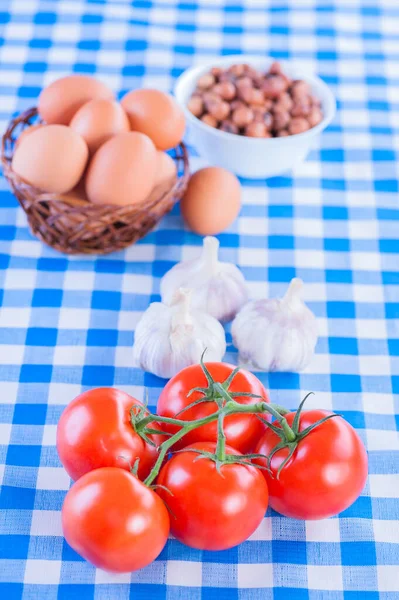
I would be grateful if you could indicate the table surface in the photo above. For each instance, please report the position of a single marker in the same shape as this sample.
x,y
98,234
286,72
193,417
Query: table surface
x,y
67,323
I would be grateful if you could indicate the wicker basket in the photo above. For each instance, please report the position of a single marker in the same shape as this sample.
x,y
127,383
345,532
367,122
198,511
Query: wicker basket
x,y
75,226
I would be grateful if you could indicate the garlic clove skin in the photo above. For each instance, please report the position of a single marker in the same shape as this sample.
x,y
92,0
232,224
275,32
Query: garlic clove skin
x,y
276,334
218,288
170,338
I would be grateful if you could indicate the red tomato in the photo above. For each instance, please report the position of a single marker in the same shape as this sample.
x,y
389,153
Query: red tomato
x,y
326,473
95,431
114,521
242,431
211,510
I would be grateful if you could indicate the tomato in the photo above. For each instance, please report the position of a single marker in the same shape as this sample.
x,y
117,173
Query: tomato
x,y
242,431
114,521
95,431
212,510
326,473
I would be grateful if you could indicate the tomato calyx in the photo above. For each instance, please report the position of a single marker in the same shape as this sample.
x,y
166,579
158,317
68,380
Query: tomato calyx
x,y
142,422
216,391
132,468
291,436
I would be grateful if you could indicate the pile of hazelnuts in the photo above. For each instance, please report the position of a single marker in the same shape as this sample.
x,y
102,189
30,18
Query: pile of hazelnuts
x,y
245,101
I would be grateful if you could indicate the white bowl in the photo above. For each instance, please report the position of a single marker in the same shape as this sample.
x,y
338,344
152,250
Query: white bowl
x,y
252,157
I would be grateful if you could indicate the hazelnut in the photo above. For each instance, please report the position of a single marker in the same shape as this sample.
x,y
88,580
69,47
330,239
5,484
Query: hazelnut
x,y
205,81
257,81
216,72
243,116
237,70
216,89
300,88
245,94
219,109
315,116
225,76
259,113
258,130
252,72
257,97
196,106
282,133
225,90
229,127
275,68
209,120
273,86
268,120
236,104
209,97
280,120
300,108
243,82
315,101
283,102
298,125
262,116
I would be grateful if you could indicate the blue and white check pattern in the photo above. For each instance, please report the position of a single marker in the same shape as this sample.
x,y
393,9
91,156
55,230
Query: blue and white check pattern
x,y
67,322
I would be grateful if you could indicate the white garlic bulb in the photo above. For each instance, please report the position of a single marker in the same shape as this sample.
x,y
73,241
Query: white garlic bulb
x,y
218,287
171,337
276,334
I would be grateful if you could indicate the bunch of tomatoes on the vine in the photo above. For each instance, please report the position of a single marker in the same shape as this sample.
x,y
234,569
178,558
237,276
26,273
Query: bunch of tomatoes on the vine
x,y
204,468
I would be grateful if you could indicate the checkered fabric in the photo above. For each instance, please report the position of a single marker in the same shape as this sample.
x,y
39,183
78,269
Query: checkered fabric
x,y
67,322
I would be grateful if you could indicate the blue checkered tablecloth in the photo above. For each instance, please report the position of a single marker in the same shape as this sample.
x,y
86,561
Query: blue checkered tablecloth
x,y
66,323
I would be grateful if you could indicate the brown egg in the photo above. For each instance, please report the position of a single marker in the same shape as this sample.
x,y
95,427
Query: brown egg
x,y
157,115
212,201
59,101
166,168
122,171
52,158
78,193
98,120
26,132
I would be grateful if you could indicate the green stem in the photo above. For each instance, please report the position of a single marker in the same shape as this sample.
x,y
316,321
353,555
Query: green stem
x,y
140,425
289,433
224,393
281,409
230,407
221,443
165,447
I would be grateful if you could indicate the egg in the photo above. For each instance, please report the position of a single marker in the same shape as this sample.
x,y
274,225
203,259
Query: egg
x,y
27,131
59,101
51,158
98,120
166,168
212,201
157,115
122,171
78,193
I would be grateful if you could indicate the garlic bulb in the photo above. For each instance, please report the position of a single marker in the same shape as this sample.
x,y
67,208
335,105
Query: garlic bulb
x,y
171,337
276,334
218,287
